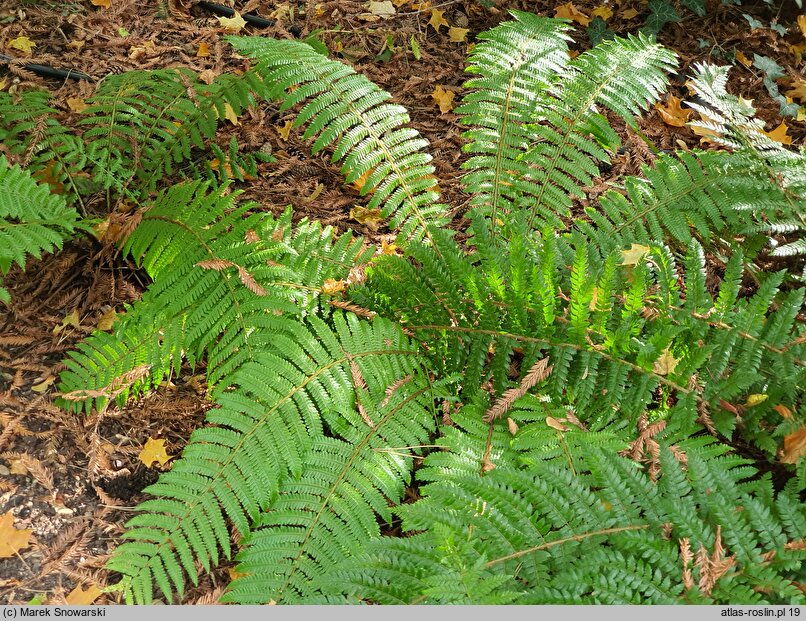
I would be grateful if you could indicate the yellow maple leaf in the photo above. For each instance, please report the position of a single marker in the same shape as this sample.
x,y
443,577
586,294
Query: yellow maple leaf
x,y
154,450
802,24
12,540
444,99
569,11
437,19
634,255
358,184
629,13
605,12
673,113
797,50
23,44
665,364
104,4
457,35
285,130
80,597
232,24
779,134
204,50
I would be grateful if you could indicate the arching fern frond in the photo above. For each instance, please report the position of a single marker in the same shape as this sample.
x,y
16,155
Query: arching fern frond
x,y
32,220
346,111
265,447
516,63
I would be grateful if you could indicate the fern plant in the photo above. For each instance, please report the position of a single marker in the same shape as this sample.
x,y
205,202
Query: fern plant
x,y
32,219
575,385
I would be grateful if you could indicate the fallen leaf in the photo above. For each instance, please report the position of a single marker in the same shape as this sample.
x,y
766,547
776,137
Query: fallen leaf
x,y
802,24
555,424
23,44
415,48
605,12
797,90
285,130
44,385
784,411
12,540
154,450
371,218
358,184
383,9
743,59
387,248
79,597
145,50
76,45
569,11
232,24
437,19
77,104
204,50
634,255
330,286
513,426
207,76
753,400
629,13
457,35
797,50
444,99
107,320
666,363
230,115
101,3
673,113
794,447
70,319
123,32
779,134
15,466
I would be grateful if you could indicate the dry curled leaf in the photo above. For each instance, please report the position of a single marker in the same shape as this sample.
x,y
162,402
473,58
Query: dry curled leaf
x,y
80,597
569,11
444,99
794,446
12,540
673,113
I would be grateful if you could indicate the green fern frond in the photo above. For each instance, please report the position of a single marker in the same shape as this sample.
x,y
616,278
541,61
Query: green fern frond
x,y
32,220
265,445
345,110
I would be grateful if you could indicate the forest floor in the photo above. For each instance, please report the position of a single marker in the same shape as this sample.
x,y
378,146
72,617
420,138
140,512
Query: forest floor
x,y
70,481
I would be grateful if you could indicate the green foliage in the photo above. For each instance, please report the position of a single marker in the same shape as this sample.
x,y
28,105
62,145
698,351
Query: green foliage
x,y
588,374
32,220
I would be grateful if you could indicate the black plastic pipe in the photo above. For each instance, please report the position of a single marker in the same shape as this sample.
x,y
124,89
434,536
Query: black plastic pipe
x,y
49,72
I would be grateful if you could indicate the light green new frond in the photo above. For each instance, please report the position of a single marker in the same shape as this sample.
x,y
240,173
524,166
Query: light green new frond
x,y
344,110
516,62
32,220
622,75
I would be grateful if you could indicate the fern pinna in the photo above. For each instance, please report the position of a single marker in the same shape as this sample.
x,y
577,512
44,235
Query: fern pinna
x,y
571,384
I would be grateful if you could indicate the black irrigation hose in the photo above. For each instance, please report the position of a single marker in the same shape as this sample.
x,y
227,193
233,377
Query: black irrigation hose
x,y
249,18
49,72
